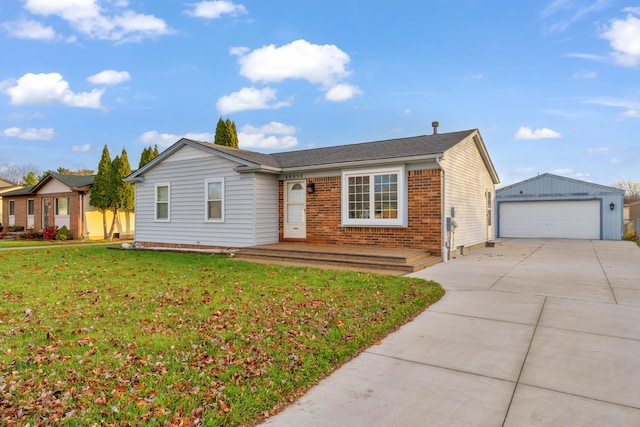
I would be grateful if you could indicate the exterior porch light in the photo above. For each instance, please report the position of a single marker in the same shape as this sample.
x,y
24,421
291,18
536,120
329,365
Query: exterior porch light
x,y
311,187
612,206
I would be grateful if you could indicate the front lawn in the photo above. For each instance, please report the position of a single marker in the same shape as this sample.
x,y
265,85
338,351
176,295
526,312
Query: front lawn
x,y
30,243
96,336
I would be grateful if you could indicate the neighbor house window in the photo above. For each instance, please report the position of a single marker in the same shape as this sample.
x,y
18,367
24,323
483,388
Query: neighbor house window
x,y
12,207
162,202
214,200
61,206
374,197
30,207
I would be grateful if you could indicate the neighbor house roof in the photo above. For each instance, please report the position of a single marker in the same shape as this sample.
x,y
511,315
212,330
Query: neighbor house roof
x,y
75,182
416,147
552,177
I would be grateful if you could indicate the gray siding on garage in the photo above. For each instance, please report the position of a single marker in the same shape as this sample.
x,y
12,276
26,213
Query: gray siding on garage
x,y
250,207
548,187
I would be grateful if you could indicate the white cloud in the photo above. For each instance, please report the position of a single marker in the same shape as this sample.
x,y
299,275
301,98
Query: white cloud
x,y
90,18
475,77
238,50
109,77
51,88
542,133
273,135
153,137
42,134
634,10
587,56
559,15
81,148
406,111
599,150
584,74
524,170
250,98
634,114
342,92
624,36
215,9
563,171
28,29
318,64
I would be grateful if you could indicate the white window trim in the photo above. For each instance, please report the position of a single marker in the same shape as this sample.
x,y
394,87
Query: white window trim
x,y
206,200
401,221
56,207
155,202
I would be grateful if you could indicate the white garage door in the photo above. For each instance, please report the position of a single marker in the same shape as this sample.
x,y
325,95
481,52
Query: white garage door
x,y
559,219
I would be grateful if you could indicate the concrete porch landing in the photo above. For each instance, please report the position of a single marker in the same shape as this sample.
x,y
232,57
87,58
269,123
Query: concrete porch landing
x,y
340,257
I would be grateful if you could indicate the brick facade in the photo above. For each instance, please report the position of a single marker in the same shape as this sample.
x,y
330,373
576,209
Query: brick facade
x,y
21,211
324,215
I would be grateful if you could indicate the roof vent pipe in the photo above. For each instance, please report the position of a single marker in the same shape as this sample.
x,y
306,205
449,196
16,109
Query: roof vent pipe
x,y
435,127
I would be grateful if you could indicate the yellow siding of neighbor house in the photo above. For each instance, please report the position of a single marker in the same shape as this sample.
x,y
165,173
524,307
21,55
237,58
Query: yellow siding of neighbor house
x,y
94,229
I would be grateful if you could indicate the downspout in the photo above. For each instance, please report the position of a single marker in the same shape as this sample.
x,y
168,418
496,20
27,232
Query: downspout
x,y
81,236
443,222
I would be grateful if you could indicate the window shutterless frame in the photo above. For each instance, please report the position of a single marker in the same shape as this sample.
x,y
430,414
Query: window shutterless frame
x,y
162,202
374,197
214,200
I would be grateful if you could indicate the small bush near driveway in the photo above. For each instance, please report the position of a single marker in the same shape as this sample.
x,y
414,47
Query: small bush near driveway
x,y
92,336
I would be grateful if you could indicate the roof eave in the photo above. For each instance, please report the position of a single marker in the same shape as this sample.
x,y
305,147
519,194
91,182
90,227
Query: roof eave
x,y
258,168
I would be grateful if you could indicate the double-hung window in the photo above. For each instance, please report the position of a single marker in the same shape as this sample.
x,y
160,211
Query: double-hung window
x,y
374,197
12,207
162,199
30,207
61,206
214,200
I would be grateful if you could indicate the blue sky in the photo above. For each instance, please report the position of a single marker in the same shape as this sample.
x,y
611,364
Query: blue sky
x,y
552,85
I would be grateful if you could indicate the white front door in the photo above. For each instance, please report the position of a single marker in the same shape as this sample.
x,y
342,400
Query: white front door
x,y
295,196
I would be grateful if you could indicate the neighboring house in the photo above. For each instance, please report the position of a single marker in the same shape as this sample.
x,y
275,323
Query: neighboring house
x,y
4,187
551,206
61,200
632,211
394,193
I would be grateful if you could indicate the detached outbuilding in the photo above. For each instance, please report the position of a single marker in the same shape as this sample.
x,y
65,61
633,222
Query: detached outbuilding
x,y
551,206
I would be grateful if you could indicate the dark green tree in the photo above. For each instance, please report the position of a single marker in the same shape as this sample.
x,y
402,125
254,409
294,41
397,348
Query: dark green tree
x,y
30,179
101,196
223,137
233,134
147,155
123,192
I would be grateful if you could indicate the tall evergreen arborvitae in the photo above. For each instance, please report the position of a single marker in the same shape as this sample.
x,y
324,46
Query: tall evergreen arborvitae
x,y
123,192
147,155
233,135
226,133
102,192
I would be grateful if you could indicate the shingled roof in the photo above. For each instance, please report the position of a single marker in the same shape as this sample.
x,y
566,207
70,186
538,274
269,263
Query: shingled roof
x,y
71,181
386,149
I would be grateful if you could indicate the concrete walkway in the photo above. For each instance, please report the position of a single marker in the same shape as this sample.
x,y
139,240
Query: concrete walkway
x,y
529,333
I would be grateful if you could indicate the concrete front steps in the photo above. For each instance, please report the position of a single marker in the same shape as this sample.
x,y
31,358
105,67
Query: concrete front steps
x,y
340,257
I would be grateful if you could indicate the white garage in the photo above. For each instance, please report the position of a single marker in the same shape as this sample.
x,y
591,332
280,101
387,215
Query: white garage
x,y
552,219
551,206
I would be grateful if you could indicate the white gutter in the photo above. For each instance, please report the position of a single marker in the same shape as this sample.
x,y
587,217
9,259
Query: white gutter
x,y
341,165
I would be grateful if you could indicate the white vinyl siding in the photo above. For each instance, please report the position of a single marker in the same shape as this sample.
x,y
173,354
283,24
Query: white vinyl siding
x,y
374,197
163,202
214,200
250,205
560,219
467,188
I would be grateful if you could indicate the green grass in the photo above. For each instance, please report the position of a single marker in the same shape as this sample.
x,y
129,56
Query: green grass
x,y
90,335
31,243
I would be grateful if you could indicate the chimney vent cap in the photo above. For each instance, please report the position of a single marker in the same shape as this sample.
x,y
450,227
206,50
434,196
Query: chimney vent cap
x,y
435,125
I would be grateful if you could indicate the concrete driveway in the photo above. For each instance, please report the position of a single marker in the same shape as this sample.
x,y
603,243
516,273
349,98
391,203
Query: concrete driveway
x,y
529,333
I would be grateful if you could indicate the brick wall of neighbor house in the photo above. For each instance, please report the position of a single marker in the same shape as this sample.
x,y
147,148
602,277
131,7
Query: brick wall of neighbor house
x,y
324,215
21,210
